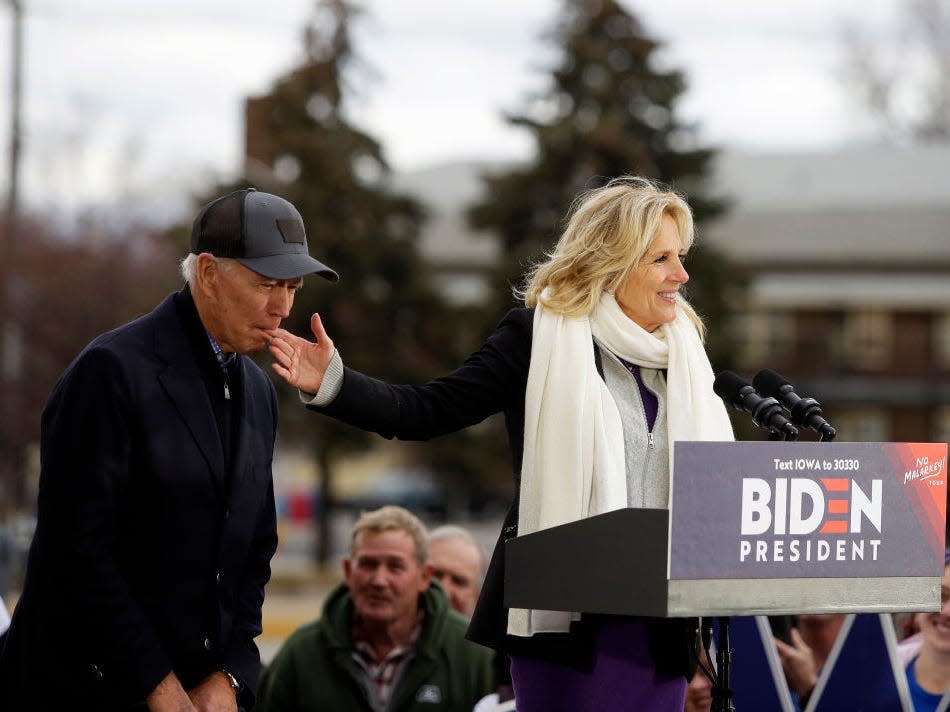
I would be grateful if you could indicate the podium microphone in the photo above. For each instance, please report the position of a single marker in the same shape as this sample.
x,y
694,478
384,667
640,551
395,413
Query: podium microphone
x,y
804,412
766,412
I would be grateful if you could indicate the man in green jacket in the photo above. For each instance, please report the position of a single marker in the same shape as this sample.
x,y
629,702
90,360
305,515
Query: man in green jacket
x,y
388,639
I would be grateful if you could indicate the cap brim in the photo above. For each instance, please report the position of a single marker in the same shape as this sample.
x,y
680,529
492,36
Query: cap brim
x,y
288,267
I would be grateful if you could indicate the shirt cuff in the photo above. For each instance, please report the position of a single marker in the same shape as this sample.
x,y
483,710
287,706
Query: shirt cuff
x,y
330,386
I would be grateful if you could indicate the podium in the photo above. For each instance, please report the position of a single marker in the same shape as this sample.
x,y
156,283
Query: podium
x,y
754,528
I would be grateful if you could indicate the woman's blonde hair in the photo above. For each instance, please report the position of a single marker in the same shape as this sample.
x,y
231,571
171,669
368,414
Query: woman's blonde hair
x,y
609,230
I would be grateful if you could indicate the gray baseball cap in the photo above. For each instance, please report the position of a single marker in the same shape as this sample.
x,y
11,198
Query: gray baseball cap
x,y
263,232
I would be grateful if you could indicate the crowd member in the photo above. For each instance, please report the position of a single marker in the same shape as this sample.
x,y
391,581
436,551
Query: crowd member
x,y
598,375
155,518
386,640
926,656
4,621
491,703
458,564
905,625
699,690
804,656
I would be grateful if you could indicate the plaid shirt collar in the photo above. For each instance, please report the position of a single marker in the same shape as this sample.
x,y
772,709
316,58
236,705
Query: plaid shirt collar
x,y
381,675
225,360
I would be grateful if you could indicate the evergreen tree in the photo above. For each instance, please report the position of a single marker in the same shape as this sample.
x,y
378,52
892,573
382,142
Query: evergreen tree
x,y
384,317
609,110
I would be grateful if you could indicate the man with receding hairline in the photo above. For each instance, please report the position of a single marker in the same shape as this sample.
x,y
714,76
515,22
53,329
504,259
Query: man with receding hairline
x,y
458,564
387,639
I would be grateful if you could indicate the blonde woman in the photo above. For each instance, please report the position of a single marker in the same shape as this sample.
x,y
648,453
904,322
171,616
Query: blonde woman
x,y
599,373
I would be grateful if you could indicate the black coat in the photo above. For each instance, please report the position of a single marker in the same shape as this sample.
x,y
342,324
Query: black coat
x,y
492,380
150,553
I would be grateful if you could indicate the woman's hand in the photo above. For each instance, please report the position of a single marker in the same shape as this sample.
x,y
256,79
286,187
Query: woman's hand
x,y
300,362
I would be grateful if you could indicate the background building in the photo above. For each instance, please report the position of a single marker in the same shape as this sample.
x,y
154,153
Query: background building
x,y
848,255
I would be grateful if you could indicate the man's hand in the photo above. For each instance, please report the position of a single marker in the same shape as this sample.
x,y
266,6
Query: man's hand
x,y
169,696
214,694
798,663
299,362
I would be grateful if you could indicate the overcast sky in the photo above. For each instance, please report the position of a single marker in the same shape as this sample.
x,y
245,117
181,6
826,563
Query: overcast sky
x,y
143,98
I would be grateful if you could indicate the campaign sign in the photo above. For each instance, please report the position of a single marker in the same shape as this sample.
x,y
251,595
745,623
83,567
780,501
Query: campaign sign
x,y
766,510
862,671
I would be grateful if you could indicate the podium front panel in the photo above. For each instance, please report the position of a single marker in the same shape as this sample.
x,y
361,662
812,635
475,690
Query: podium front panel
x,y
612,563
744,597
754,529
774,527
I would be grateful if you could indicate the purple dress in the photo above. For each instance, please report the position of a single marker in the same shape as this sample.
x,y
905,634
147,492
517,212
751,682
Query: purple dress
x,y
622,678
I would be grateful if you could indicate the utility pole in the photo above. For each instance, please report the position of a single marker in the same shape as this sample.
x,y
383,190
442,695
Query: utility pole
x,y
11,346
16,98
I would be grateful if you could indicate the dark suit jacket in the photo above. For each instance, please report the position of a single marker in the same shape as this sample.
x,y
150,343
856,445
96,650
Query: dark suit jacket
x,y
492,380
148,555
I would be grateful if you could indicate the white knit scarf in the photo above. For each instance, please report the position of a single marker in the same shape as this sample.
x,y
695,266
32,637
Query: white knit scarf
x,y
574,464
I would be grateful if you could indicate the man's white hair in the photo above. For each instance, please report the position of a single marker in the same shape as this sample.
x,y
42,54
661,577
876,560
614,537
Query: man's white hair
x,y
189,267
453,532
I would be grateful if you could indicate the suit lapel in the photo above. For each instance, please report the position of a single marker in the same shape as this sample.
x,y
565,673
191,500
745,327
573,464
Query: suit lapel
x,y
182,381
188,394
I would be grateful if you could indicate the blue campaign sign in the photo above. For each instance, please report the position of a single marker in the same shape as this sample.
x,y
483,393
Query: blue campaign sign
x,y
862,672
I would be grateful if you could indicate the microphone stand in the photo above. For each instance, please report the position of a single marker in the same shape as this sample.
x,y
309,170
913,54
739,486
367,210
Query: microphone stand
x,y
702,638
722,686
718,673
722,690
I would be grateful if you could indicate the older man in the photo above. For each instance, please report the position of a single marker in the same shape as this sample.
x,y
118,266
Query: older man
x,y
155,524
458,563
387,640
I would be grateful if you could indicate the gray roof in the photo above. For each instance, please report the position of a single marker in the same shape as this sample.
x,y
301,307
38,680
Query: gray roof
x,y
860,206
855,177
845,290
447,190
899,235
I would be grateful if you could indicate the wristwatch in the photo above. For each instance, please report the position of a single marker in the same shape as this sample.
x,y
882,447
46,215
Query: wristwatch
x,y
234,682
